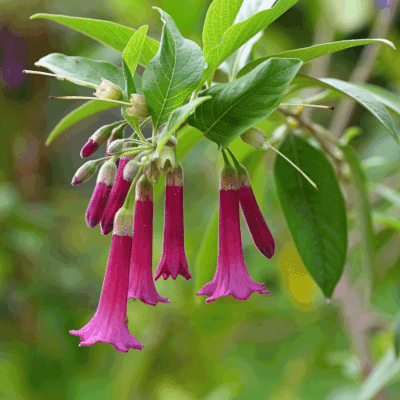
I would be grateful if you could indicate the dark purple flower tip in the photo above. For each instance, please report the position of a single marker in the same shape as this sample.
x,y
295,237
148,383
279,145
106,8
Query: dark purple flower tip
x,y
75,181
173,261
255,221
89,148
97,204
109,325
116,199
141,285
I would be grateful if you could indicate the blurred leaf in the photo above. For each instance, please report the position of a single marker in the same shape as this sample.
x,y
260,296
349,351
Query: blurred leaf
x,y
392,196
109,33
133,49
396,335
176,118
86,110
173,73
389,99
386,220
311,53
316,219
357,93
85,69
237,35
239,105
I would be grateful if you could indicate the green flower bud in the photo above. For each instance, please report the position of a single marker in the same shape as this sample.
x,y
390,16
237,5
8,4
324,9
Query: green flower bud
x,y
107,173
254,137
85,172
108,91
151,172
166,160
130,171
138,107
116,146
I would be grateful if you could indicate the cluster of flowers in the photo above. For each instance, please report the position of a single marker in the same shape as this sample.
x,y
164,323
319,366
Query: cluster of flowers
x,y
129,171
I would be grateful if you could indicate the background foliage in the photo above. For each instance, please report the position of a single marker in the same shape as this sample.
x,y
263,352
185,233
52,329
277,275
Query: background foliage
x,y
288,345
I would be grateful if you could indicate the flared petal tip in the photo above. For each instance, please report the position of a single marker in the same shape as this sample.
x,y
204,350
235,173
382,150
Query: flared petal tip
x,y
149,301
215,296
165,271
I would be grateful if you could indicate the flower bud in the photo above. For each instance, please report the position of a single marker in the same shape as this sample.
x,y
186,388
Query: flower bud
x,y
96,140
151,172
107,173
138,107
254,137
85,172
123,223
116,146
116,134
130,171
166,160
108,91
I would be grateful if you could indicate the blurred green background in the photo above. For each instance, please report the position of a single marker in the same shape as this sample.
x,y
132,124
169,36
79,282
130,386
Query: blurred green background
x,y
288,345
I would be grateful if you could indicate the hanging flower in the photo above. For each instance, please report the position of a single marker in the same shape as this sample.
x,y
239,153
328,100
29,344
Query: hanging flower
x,y
231,277
173,261
98,202
109,322
141,285
117,197
255,221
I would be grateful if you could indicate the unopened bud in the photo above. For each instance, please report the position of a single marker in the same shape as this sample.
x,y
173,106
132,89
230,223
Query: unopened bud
x,y
166,160
123,223
96,140
116,134
116,146
144,189
138,107
254,137
293,122
108,91
107,173
228,178
130,171
151,172
85,172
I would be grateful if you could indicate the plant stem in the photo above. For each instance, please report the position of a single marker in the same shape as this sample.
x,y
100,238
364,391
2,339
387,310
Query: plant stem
x,y
130,197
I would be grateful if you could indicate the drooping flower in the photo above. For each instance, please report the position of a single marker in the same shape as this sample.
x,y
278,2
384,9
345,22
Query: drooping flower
x,y
108,91
85,172
173,261
141,285
98,202
117,197
231,277
109,324
255,221
97,140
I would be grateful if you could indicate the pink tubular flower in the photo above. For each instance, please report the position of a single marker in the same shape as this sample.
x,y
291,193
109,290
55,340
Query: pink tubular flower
x,y
231,277
255,221
109,322
116,199
141,285
173,261
98,202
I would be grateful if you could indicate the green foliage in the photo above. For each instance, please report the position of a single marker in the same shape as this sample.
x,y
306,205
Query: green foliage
x,y
84,69
389,99
84,111
311,53
316,218
134,48
173,73
109,33
239,105
396,336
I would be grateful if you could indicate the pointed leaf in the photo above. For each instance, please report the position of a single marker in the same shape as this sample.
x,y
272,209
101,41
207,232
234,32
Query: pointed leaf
x,y
308,54
316,219
389,99
173,73
86,110
109,33
82,68
238,34
130,88
175,120
357,93
133,49
239,105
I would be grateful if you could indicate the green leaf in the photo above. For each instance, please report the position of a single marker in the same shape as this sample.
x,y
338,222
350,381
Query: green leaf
x,y
176,118
386,220
389,99
109,33
389,194
81,68
357,93
308,54
133,49
396,335
173,73
316,219
239,105
238,34
130,88
80,113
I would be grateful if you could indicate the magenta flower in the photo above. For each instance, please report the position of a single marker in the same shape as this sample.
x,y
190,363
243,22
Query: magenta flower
x,y
173,261
89,148
98,202
141,285
231,277
116,199
109,322
255,221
